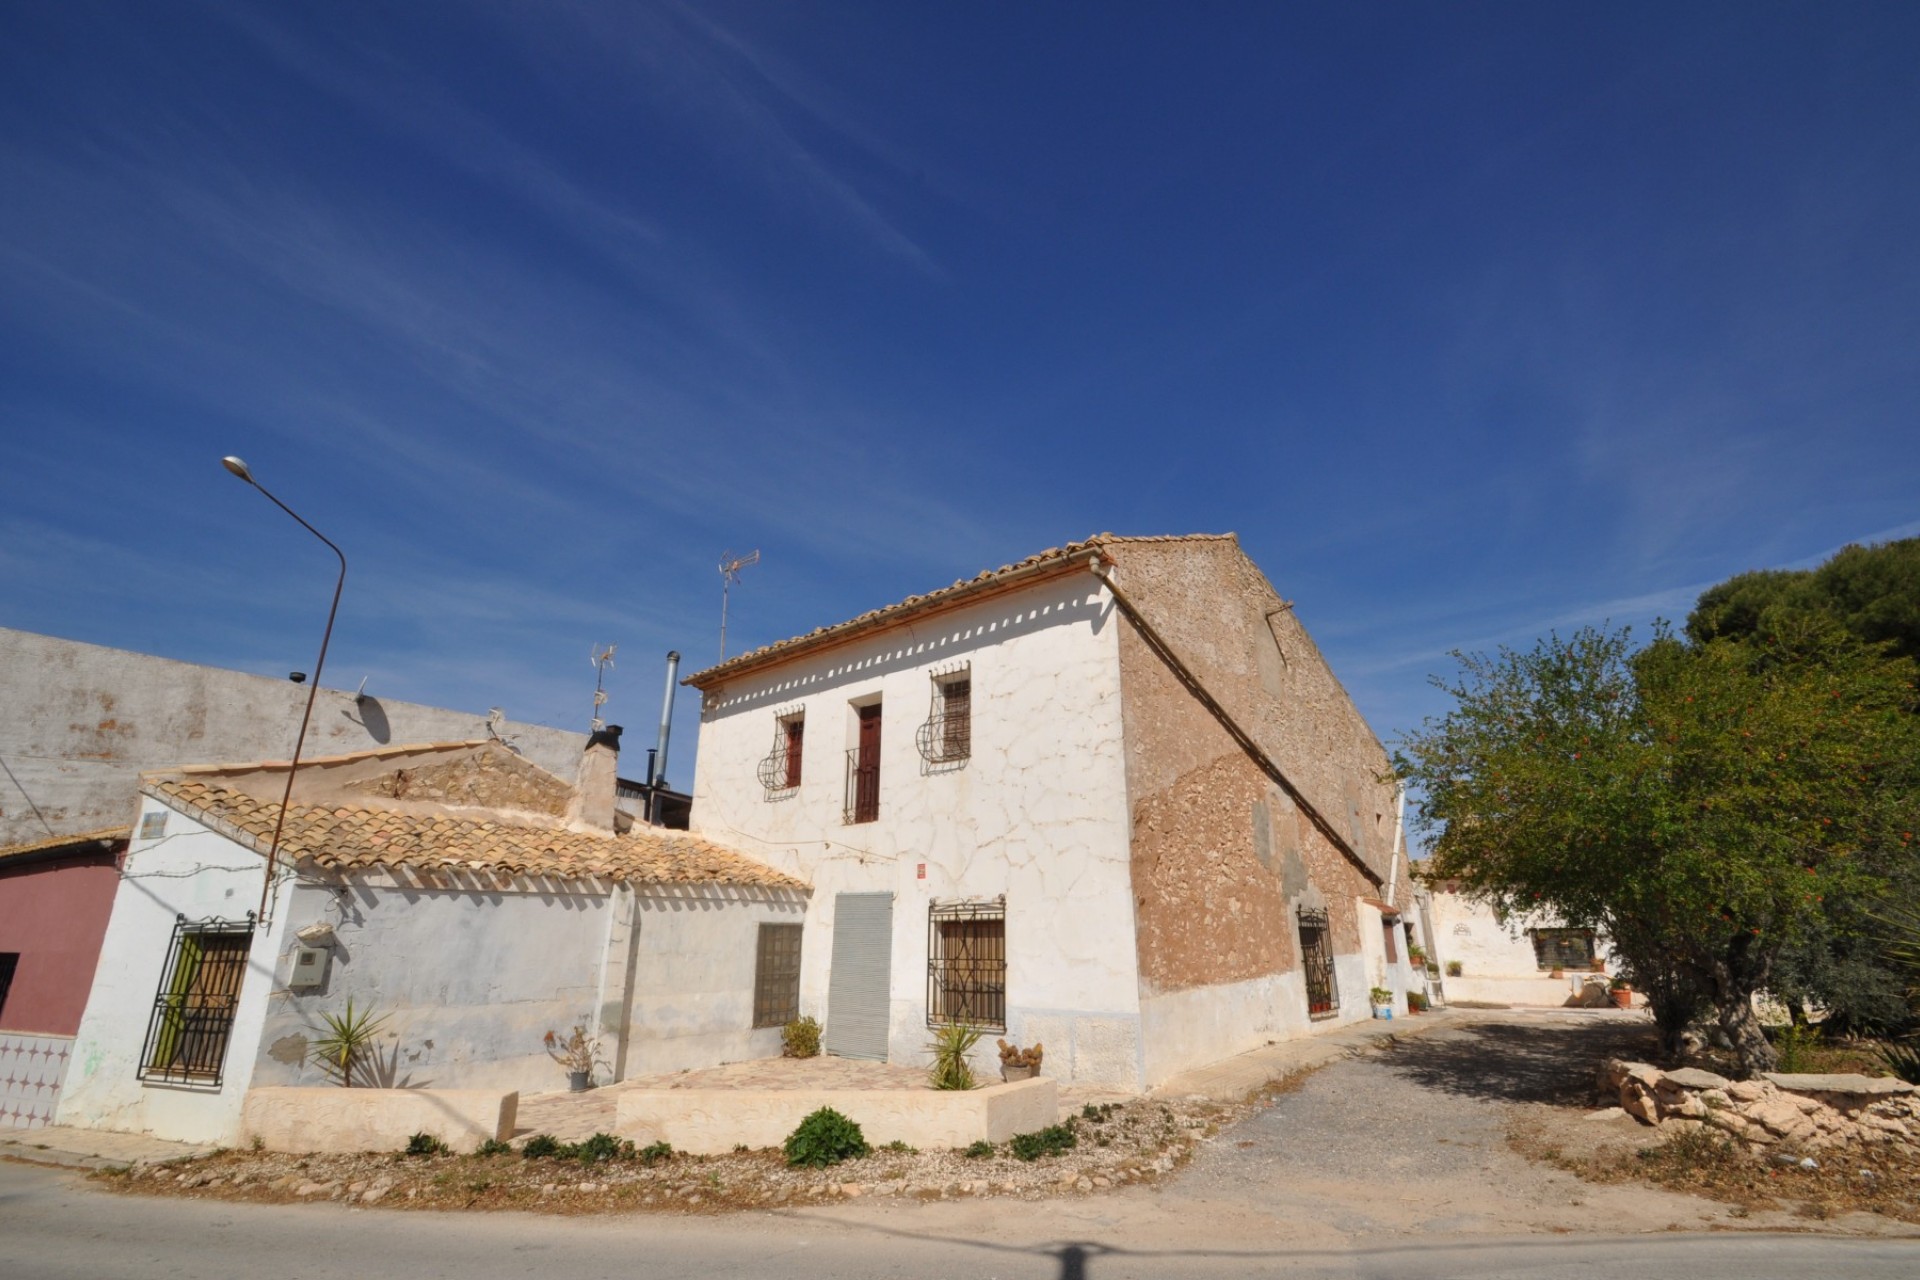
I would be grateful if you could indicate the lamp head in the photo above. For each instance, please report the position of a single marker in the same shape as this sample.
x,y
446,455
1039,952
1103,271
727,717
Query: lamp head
x,y
238,467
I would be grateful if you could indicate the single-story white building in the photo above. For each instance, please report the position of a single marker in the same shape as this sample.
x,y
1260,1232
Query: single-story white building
x,y
1486,957
469,898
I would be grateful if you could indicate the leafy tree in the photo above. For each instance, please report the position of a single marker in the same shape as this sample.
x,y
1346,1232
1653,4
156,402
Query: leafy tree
x,y
1873,593
1701,802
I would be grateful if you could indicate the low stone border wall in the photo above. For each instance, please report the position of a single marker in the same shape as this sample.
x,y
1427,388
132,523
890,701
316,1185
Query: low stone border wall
x,y
1810,1111
715,1121
341,1121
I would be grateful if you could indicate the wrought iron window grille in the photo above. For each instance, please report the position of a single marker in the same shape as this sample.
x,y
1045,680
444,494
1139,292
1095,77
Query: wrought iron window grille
x,y
947,736
779,771
193,1009
967,965
863,789
776,981
1316,964
1563,948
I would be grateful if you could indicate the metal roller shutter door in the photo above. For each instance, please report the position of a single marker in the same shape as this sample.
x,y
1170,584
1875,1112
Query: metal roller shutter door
x,y
858,984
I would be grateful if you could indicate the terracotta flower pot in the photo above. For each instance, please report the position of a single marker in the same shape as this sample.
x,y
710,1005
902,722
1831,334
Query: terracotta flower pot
x,y
1622,997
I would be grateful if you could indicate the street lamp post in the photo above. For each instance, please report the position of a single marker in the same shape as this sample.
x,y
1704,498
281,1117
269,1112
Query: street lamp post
x,y
239,468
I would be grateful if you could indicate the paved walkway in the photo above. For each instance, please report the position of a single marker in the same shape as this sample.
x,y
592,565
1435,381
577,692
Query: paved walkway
x,y
90,1148
1238,1076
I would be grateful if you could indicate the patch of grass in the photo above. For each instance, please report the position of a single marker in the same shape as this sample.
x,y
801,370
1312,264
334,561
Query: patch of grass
x,y
494,1147
978,1150
425,1144
654,1152
900,1148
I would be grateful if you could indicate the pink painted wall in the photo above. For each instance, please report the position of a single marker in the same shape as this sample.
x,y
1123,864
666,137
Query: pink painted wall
x,y
54,914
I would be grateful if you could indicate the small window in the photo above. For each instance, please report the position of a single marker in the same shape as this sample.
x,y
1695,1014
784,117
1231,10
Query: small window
x,y
776,977
863,768
780,770
1563,948
1316,964
947,736
967,965
193,1011
9,960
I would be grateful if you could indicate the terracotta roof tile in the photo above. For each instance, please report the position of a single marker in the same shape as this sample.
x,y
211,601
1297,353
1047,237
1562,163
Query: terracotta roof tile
x,y
344,836
984,580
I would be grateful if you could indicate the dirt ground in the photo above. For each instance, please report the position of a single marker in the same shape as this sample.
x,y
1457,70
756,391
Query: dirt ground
x,y
1476,1126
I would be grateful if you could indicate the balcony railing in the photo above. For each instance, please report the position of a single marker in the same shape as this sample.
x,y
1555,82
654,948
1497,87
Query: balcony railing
x,y
863,787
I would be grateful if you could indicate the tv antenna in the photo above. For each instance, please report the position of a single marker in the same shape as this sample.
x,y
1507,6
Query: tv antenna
x,y
602,660
730,567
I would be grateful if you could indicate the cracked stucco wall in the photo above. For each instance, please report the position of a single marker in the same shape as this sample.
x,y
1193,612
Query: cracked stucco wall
x,y
1221,857
1037,813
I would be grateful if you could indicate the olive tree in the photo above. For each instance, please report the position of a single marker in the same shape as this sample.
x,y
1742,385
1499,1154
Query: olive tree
x,y
1700,802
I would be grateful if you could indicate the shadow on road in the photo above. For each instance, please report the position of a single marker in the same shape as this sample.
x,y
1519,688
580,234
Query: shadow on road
x,y
1518,1061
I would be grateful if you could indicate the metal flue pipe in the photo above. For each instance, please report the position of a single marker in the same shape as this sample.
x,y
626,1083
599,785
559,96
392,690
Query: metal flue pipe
x,y
659,778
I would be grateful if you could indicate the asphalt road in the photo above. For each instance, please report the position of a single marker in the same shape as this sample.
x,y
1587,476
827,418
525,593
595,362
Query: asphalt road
x,y
54,1227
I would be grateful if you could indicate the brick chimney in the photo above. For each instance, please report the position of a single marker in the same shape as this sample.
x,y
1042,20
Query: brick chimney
x,y
591,808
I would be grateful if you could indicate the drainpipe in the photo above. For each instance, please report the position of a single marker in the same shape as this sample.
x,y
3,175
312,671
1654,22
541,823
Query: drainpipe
x,y
1399,837
658,774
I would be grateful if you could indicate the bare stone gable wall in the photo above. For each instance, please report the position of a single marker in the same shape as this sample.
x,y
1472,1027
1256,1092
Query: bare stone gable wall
x,y
1221,857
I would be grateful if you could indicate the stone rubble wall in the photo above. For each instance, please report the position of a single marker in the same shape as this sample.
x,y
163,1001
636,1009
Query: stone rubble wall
x,y
1803,1111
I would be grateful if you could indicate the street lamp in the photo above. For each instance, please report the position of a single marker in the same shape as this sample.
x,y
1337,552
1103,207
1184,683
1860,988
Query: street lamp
x,y
239,468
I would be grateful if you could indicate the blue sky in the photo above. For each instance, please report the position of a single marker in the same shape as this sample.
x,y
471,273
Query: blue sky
x,y
1472,320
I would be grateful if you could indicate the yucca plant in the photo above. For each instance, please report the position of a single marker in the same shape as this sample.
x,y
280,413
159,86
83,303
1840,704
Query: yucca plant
x,y
349,1035
950,1047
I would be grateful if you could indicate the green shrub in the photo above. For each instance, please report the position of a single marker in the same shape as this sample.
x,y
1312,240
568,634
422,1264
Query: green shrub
x,y
823,1138
800,1039
654,1152
1796,1044
598,1149
1050,1141
425,1144
950,1047
494,1147
979,1150
541,1146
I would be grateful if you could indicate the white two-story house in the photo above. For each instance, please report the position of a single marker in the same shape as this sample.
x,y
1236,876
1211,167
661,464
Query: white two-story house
x,y
1109,799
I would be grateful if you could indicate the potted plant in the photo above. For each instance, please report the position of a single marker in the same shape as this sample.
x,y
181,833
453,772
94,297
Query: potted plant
x,y
1453,969
1622,992
576,1054
1017,1063
1382,1001
1417,1002
1417,955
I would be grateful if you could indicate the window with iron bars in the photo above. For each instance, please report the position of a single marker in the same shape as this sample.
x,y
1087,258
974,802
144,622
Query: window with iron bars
x,y
776,978
947,736
1316,964
1563,948
193,1010
780,769
967,965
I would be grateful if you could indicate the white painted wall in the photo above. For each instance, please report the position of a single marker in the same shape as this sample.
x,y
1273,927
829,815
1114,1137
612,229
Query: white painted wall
x,y
188,870
1039,812
1498,963
693,980
469,981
